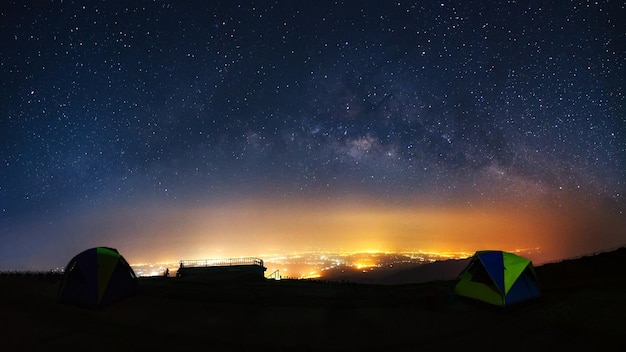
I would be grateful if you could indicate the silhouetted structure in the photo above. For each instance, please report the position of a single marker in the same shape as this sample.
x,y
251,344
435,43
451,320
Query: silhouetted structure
x,y
247,268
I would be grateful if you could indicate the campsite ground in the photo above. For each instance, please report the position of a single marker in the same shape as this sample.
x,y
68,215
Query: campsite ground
x,y
583,307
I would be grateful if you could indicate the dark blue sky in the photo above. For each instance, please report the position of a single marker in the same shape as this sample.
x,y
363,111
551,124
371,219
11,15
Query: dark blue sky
x,y
107,104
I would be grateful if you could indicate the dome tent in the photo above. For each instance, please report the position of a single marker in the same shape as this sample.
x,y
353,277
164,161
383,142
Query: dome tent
x,y
96,277
498,278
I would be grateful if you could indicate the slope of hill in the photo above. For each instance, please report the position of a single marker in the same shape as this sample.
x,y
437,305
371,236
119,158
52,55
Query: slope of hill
x,y
605,269
582,308
575,271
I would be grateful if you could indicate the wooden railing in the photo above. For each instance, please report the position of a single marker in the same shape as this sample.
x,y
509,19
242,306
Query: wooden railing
x,y
220,262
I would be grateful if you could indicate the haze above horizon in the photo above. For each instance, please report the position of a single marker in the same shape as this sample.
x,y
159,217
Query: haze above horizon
x,y
195,130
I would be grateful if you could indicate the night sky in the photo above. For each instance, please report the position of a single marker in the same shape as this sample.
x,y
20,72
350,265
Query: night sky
x,y
198,129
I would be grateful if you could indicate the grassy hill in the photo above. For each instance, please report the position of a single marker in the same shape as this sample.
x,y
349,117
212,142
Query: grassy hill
x,y
583,307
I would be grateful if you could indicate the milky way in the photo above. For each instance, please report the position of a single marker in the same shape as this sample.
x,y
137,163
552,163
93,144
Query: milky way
x,y
450,103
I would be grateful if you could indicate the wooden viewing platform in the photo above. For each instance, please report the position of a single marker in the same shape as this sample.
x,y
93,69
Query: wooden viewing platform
x,y
220,262
231,269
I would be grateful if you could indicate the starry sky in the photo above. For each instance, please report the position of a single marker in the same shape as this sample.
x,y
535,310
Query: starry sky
x,y
198,129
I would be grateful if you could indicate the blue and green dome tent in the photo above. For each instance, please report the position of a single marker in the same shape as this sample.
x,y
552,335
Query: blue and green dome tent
x,y
498,278
96,277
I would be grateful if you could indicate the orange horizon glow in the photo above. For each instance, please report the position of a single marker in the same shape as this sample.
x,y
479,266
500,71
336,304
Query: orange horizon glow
x,y
255,227
162,233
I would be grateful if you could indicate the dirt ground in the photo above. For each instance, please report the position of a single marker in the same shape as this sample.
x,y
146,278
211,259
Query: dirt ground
x,y
583,307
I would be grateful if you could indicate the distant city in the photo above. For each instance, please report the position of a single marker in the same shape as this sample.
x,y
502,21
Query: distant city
x,y
368,266
319,265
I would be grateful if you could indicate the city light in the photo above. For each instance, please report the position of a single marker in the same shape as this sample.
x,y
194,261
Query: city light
x,y
313,264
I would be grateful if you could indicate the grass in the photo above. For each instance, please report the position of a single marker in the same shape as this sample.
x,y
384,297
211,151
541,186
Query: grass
x,y
292,315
